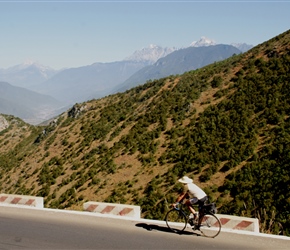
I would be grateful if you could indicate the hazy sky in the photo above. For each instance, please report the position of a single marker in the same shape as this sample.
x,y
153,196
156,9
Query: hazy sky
x,y
60,33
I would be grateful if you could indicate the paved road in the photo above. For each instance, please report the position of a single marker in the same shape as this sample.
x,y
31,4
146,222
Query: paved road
x,y
48,229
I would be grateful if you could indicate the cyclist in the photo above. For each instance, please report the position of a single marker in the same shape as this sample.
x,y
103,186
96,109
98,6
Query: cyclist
x,y
193,194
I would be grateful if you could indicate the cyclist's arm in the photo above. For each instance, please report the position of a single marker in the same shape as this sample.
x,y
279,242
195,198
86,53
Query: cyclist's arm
x,y
181,197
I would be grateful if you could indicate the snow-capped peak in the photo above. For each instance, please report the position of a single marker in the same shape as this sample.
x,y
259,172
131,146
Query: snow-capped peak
x,y
29,69
203,41
150,54
152,46
28,64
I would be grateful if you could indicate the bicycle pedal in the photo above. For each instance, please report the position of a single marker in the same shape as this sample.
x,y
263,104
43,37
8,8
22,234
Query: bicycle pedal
x,y
191,222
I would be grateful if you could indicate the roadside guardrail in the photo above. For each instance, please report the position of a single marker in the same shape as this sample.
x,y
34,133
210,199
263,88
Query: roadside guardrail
x,y
114,209
13,199
130,211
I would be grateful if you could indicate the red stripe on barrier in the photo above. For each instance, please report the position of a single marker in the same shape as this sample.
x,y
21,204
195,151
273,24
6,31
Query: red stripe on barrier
x,y
91,208
205,218
243,224
125,211
107,209
29,202
224,221
3,198
15,200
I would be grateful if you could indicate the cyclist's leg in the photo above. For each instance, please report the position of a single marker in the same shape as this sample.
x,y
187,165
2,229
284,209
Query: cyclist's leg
x,y
190,203
201,202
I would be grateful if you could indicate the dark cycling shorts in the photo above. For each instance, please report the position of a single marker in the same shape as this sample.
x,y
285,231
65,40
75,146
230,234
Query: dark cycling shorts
x,y
200,202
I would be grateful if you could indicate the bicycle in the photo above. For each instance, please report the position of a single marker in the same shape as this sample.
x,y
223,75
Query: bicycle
x,y
207,223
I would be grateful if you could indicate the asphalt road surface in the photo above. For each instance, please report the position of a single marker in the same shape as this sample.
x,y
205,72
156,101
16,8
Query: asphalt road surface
x,y
22,228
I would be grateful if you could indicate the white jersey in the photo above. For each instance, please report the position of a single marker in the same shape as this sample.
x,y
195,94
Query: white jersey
x,y
195,191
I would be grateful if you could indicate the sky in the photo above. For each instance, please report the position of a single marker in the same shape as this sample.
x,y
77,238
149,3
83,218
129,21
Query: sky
x,y
65,34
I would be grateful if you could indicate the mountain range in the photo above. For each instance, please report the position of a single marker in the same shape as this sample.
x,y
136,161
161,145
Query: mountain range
x,y
178,62
74,85
27,74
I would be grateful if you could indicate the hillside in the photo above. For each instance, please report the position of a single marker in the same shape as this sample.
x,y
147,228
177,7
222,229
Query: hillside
x,y
225,125
93,81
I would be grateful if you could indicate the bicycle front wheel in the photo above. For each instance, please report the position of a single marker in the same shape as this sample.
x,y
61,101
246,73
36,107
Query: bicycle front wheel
x,y
210,225
176,220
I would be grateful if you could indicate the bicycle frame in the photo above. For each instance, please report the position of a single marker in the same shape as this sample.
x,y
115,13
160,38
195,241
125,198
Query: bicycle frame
x,y
179,208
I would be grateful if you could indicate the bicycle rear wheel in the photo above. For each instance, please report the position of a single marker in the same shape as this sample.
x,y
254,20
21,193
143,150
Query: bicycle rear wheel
x,y
176,220
210,225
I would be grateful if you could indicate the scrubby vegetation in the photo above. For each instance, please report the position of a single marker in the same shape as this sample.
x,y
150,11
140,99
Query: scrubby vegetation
x,y
226,125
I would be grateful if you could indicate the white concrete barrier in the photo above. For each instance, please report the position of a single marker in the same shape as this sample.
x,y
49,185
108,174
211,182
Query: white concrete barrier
x,y
112,208
14,199
228,221
239,223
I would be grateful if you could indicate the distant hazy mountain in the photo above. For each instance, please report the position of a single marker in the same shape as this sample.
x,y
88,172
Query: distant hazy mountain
x,y
31,74
242,46
178,62
26,104
93,81
26,75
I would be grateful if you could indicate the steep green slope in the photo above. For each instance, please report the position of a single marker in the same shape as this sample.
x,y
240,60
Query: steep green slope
x,y
225,125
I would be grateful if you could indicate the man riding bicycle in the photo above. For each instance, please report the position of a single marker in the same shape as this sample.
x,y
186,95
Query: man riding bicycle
x,y
193,194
